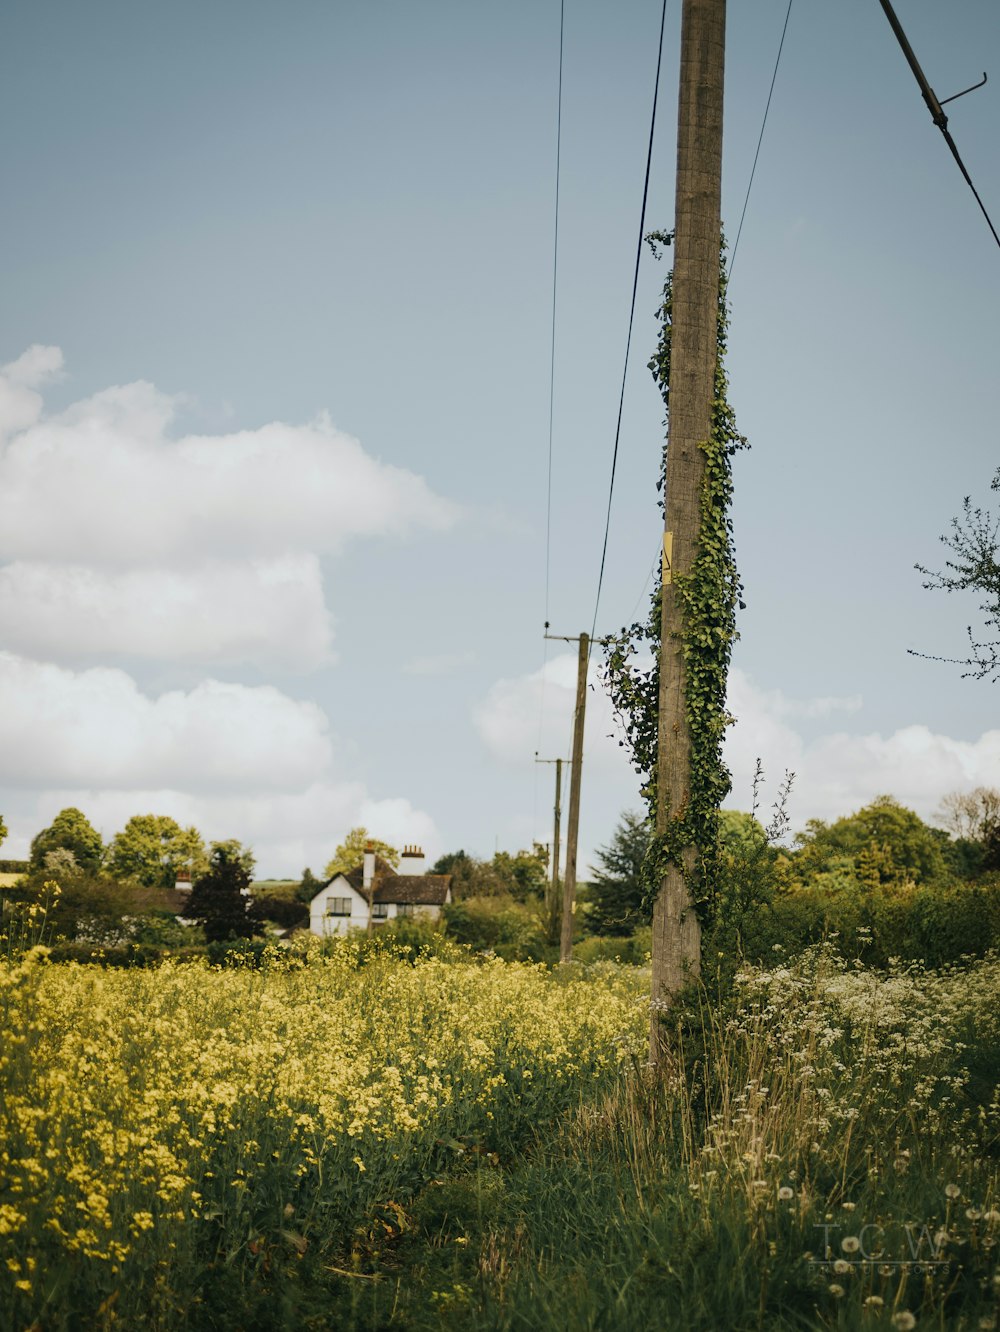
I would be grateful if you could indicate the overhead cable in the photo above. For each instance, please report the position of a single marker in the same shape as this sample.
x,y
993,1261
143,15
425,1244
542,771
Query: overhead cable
x,y
760,139
631,317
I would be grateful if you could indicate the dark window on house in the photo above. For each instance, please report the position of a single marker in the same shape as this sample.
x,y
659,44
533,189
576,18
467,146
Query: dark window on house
x,y
380,910
338,906
406,909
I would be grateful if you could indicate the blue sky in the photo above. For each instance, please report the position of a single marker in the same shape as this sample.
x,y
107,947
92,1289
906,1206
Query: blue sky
x,y
296,581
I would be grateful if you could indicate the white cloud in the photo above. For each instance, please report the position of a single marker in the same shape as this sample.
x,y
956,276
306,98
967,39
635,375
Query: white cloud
x,y
535,711
126,541
20,405
103,482
397,822
222,612
835,773
95,728
839,772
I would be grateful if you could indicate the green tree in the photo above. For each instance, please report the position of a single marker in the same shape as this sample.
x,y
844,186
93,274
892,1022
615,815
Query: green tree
x,y
974,542
522,875
351,852
70,830
153,848
3,830
220,900
308,887
882,843
470,877
617,886
450,863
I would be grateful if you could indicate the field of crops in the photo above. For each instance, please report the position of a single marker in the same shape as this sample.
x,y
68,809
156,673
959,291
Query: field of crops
x,y
364,1141
178,1139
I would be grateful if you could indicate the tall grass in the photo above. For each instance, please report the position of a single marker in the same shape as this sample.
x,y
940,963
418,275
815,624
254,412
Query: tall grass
x,y
823,1153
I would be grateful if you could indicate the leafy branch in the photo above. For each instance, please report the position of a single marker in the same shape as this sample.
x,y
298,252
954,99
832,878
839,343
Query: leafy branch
x,y
974,541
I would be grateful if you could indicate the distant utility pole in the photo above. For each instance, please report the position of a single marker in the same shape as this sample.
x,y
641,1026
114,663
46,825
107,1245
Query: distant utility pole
x,y
552,906
573,825
693,355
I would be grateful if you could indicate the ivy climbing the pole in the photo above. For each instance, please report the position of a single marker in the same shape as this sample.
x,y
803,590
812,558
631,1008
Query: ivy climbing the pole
x,y
708,596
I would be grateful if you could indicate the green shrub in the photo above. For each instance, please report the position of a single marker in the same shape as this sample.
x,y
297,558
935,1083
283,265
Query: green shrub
x,y
279,903
512,930
932,923
633,949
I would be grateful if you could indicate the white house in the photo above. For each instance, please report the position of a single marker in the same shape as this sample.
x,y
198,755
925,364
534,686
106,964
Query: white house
x,y
344,902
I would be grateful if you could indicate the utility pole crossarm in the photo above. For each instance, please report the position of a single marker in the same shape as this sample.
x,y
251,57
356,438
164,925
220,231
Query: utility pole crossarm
x,y
574,638
935,106
927,92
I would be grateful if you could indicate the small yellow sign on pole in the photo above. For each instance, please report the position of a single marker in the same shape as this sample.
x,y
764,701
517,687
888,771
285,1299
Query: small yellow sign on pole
x,y
668,557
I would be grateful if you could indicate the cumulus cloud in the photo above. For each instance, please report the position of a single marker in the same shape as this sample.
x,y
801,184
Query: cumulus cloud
x,y
270,611
95,728
835,773
234,760
123,540
105,483
838,772
535,711
20,405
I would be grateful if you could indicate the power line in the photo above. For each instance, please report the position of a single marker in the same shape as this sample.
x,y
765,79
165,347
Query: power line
x,y
649,579
760,140
631,317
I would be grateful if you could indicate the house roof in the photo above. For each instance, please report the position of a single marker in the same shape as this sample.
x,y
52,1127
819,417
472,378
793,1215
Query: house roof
x,y
401,889
413,889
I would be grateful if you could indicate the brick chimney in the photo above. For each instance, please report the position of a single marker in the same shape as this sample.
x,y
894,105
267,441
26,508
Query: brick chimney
x,y
368,872
413,861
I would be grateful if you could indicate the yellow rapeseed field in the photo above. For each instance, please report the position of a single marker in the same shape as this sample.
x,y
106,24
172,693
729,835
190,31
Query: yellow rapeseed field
x,y
158,1125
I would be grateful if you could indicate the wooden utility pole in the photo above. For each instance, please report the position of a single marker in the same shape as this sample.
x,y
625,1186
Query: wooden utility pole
x,y
555,842
573,824
552,902
693,355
